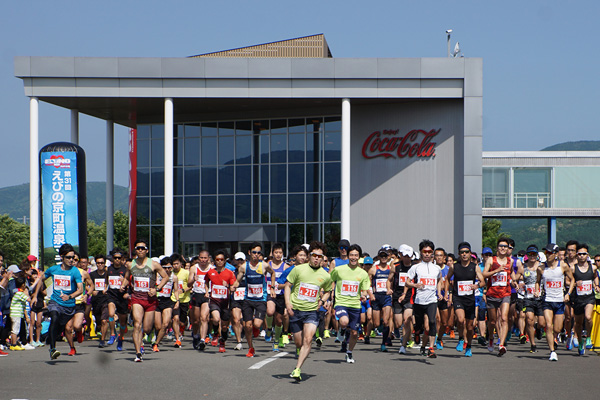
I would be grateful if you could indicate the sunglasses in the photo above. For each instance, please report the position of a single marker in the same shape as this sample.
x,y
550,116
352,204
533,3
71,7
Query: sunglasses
x,y
582,254
503,246
117,258
141,248
317,255
69,257
100,262
343,247
427,252
464,252
256,252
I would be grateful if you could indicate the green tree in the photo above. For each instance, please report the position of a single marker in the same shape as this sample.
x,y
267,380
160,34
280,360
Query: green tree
x,y
14,240
97,234
491,232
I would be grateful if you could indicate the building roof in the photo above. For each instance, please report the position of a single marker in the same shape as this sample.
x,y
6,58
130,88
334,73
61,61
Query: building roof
x,y
313,46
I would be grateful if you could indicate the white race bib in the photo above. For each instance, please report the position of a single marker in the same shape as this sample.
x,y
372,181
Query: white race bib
x,y
141,284
115,281
585,288
402,278
99,284
500,279
219,292
255,291
465,288
308,292
62,282
239,294
381,285
429,283
350,288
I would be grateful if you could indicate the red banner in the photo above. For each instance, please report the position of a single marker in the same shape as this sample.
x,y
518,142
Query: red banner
x,y
132,188
389,144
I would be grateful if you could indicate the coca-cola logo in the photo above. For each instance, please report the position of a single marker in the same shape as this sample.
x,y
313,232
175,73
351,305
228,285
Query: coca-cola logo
x,y
389,144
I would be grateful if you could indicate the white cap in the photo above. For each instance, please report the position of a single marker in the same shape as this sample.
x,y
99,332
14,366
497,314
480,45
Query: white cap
x,y
156,259
406,250
14,269
239,255
542,256
306,246
416,255
386,246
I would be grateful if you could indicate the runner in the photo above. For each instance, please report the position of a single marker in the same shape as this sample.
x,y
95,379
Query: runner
x,y
142,277
118,302
480,300
552,276
586,281
366,312
255,304
443,313
237,300
99,298
426,278
381,295
532,304
571,259
402,304
351,285
343,258
200,310
164,308
462,295
66,285
500,275
76,323
514,296
276,300
181,307
303,301
222,283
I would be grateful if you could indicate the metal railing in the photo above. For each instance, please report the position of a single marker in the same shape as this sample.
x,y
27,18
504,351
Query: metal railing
x,y
532,200
495,200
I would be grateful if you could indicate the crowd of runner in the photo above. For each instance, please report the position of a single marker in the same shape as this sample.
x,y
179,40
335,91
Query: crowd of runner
x,y
416,298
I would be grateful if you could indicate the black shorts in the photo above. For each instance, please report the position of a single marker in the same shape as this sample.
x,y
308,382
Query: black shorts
x,y
467,306
513,298
442,305
279,304
198,299
254,310
100,311
399,308
581,302
80,308
38,307
164,303
520,305
182,311
224,311
121,304
534,306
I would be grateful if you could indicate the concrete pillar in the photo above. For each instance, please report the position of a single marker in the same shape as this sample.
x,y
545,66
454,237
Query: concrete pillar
x,y
168,176
34,178
110,186
345,186
75,127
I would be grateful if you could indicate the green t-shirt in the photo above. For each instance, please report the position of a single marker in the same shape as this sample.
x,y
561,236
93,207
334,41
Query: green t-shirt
x,y
348,285
307,284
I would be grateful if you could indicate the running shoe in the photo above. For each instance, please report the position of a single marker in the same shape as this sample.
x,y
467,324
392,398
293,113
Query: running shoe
x,y
111,340
588,343
338,339
195,342
237,346
575,341
491,346
142,349
286,339
250,353
296,374
349,358
262,333
268,336
581,349
255,332
501,351
361,337
276,346
155,348
39,344
367,340
215,341
3,353
72,352
297,352
508,336
452,336
54,354
410,344
533,349
569,344
402,350
459,346
417,339
101,344
16,347
29,346
281,342
202,346
222,348
439,345
553,356
481,340
383,349
318,341
177,344
119,343
523,339
326,334
344,347
423,351
79,337
138,357
431,353
468,352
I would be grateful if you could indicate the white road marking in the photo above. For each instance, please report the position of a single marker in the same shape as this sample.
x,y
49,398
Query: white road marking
x,y
262,363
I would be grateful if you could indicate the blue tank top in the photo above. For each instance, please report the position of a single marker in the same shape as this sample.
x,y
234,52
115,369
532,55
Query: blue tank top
x,y
380,281
339,261
278,271
256,283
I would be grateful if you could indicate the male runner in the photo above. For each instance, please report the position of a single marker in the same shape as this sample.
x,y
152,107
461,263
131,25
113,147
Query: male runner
x,y
237,300
443,314
381,295
586,281
200,310
118,302
307,281
532,302
276,300
142,277
351,285
343,258
76,323
571,259
182,301
164,308
403,310
99,298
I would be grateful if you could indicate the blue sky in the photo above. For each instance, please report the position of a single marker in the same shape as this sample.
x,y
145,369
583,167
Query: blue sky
x,y
540,58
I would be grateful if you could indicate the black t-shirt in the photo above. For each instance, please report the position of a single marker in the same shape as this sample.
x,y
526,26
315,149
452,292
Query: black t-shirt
x,y
464,276
100,283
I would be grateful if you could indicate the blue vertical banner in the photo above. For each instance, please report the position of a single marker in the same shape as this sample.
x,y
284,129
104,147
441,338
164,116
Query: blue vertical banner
x,y
61,199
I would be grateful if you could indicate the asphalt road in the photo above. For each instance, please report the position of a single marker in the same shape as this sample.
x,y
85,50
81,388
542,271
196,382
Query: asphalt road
x,y
186,373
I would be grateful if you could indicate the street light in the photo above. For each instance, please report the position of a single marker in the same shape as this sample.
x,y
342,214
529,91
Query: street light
x,y
448,32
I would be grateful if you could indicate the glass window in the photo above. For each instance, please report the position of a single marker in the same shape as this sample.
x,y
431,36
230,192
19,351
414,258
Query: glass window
x,y
264,179
243,128
157,240
279,126
296,125
243,179
209,129
192,151
313,147
278,178
312,207
142,231
296,232
143,210
209,209
209,151
332,207
261,126
313,232
178,181
157,210
157,181
579,187
255,209
264,209
225,209
333,146
226,180
178,147
158,153
243,149
313,177
143,153
495,187
178,210
143,132
192,181
314,124
192,130
296,150
278,208
192,210
209,180
226,128
296,177
264,149
226,150
278,148
143,182
296,208
331,233
333,177
243,209
333,124
158,131
532,180
179,131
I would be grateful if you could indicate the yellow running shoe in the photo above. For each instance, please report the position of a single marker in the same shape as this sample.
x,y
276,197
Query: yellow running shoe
x,y
326,334
296,374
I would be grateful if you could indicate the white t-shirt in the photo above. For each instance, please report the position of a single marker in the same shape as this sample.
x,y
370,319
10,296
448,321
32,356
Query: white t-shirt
x,y
428,274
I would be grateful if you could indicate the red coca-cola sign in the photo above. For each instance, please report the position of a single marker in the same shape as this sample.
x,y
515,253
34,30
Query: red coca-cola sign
x,y
390,144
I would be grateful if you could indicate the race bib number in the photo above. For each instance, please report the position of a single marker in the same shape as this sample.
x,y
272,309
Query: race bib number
x,y
402,278
277,290
166,290
428,283
554,284
530,290
500,279
199,285
239,294
585,288
219,292
141,284
308,292
62,282
380,285
465,288
255,291
99,284
350,288
180,287
114,282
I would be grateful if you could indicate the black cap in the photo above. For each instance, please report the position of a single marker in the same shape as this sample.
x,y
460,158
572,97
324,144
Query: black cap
x,y
344,243
532,249
551,247
464,245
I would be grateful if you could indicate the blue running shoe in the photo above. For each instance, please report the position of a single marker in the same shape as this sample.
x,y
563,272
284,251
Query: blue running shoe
x,y
439,345
268,336
460,345
119,343
581,349
570,343
111,340
588,343
468,352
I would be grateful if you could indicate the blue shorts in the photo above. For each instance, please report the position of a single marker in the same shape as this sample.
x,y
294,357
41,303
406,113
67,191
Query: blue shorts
x,y
381,300
300,318
364,306
557,307
353,315
480,303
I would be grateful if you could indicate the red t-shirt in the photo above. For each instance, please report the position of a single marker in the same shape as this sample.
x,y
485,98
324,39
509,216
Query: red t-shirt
x,y
220,282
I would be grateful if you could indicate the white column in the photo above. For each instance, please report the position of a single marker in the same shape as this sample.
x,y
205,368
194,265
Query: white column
x,y
168,176
110,185
34,178
345,169
75,127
